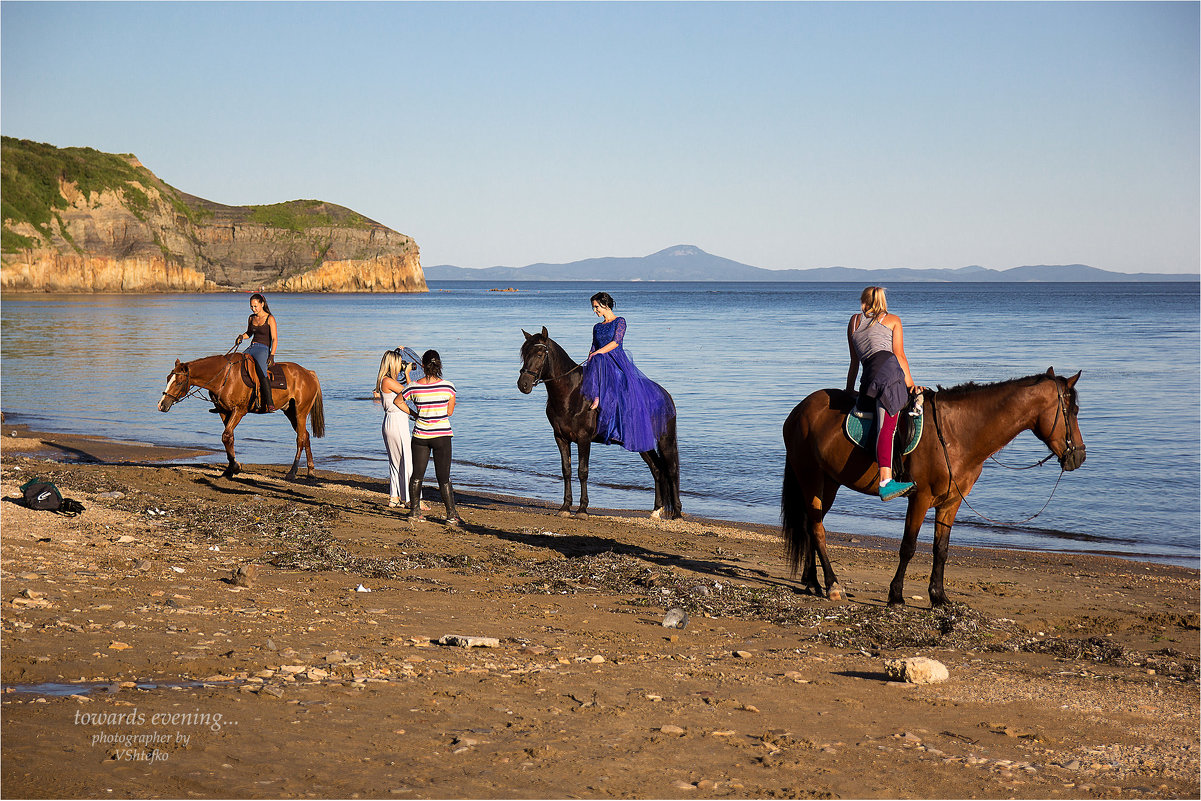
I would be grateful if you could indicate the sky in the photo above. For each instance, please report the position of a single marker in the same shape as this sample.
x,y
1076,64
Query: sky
x,y
780,134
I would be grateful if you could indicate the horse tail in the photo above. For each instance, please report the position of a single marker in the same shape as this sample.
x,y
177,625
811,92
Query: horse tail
x,y
795,524
318,411
669,456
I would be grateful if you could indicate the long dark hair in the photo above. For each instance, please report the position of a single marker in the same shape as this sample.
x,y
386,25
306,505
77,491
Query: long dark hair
x,y
259,297
604,299
431,363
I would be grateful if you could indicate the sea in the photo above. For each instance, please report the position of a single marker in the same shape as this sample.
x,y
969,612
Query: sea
x,y
737,357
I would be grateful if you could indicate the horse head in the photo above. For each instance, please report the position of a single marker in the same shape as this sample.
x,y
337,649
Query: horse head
x,y
535,354
1059,427
178,384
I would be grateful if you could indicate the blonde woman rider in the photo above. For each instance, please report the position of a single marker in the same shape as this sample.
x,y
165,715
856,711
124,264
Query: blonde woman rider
x,y
875,340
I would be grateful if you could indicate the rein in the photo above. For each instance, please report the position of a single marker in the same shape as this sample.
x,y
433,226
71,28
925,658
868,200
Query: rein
x,y
537,374
1060,406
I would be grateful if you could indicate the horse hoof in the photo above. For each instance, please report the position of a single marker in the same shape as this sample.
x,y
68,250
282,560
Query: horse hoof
x,y
582,514
835,593
564,513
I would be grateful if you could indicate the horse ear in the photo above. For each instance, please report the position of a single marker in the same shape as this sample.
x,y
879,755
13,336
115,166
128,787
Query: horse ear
x,y
1072,381
1050,372
544,333
528,335
177,362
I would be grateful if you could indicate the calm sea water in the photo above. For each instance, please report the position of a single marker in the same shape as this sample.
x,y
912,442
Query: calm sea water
x,y
736,356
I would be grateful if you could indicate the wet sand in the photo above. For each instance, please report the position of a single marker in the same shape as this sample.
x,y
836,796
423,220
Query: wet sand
x,y
321,674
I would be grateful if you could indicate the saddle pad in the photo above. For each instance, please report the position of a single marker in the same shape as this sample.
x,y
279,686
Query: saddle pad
x,y
860,429
250,373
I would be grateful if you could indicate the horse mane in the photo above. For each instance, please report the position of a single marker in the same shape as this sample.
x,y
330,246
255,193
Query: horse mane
x,y
972,388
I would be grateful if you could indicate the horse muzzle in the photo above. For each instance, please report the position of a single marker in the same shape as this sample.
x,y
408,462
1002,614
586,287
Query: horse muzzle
x,y
165,403
1073,458
525,384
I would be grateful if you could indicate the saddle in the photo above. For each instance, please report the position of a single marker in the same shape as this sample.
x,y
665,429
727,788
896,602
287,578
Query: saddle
x,y
250,374
860,428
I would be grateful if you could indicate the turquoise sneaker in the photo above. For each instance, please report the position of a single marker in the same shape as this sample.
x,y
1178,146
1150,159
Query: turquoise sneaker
x,y
895,489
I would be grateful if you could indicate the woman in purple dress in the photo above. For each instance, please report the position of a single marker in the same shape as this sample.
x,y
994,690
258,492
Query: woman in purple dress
x,y
632,410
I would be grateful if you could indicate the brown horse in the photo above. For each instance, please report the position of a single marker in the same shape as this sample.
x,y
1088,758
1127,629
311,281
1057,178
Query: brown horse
x,y
970,423
571,420
222,377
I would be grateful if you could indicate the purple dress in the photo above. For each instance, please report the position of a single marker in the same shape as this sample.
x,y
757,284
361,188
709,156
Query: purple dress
x,y
634,411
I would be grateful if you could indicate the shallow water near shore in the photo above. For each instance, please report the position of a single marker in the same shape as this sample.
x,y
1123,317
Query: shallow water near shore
x,y
736,357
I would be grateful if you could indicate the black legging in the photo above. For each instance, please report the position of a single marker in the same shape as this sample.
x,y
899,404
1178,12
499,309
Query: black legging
x,y
421,458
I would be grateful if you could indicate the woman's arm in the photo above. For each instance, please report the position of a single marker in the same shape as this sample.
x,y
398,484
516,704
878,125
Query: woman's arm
x,y
618,334
245,333
853,370
450,405
898,347
274,336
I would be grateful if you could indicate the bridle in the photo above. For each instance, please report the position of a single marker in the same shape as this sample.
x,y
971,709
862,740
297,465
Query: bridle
x,y
537,374
194,390
1061,408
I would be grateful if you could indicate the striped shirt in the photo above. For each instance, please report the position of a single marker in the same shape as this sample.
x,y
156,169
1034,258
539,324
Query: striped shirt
x,y
432,402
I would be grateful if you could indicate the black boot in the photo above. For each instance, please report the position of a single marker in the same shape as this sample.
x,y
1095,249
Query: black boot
x,y
415,515
448,498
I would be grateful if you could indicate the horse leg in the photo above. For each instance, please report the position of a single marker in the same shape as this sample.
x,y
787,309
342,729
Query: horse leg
x,y
819,505
583,449
565,461
652,461
944,518
297,419
231,420
919,504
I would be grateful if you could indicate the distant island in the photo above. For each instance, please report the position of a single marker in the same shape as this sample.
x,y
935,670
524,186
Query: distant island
x,y
690,263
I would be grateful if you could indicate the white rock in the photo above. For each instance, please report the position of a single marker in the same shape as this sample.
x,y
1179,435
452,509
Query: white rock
x,y
916,670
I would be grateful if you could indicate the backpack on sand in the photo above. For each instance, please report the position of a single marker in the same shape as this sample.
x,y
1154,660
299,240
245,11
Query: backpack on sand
x,y
43,495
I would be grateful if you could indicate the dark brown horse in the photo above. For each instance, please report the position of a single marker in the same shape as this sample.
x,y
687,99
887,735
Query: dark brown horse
x,y
571,419
222,377
963,427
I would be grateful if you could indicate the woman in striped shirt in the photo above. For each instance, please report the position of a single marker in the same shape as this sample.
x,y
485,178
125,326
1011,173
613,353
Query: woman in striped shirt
x,y
434,398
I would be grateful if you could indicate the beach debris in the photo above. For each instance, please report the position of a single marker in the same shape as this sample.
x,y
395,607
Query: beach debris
x,y
743,654
177,569
117,645
676,618
916,670
461,641
245,575
361,588
124,539
675,731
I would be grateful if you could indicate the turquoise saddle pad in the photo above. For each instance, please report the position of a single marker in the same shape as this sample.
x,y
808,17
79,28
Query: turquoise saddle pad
x,y
860,428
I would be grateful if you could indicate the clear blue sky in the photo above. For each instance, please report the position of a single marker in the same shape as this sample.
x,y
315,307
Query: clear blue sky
x,y
776,134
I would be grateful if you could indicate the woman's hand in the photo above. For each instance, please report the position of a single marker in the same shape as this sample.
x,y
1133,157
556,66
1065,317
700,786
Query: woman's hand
x,y
238,341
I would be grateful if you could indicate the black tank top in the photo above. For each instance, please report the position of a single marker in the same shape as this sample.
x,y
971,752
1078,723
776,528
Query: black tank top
x,y
259,334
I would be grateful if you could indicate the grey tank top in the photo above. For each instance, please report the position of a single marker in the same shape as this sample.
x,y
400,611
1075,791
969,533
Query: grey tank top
x,y
870,338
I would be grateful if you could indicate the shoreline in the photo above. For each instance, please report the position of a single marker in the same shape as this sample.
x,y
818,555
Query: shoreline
x,y
104,450
306,618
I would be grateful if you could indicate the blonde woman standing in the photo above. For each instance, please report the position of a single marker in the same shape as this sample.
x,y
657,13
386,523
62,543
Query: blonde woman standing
x,y
397,439
876,341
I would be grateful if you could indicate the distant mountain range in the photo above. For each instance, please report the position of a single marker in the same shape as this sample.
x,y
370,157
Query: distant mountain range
x,y
690,263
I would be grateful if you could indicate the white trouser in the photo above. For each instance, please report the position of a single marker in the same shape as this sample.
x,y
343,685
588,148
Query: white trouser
x,y
398,441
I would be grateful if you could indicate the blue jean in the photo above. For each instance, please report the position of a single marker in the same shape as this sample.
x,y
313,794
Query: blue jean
x,y
260,353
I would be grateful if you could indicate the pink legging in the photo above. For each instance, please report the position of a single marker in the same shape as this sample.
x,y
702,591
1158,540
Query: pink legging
x,y
886,426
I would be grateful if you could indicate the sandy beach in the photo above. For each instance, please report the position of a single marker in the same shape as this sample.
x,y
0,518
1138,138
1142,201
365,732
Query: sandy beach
x,y
524,655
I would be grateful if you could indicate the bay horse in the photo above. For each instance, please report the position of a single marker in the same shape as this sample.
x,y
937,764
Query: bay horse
x,y
572,420
970,423
221,376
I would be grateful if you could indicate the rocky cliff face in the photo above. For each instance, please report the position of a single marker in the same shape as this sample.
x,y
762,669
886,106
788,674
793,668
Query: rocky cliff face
x,y
138,234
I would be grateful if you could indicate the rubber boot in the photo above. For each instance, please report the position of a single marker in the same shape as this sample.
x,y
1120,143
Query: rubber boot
x,y
415,515
448,498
